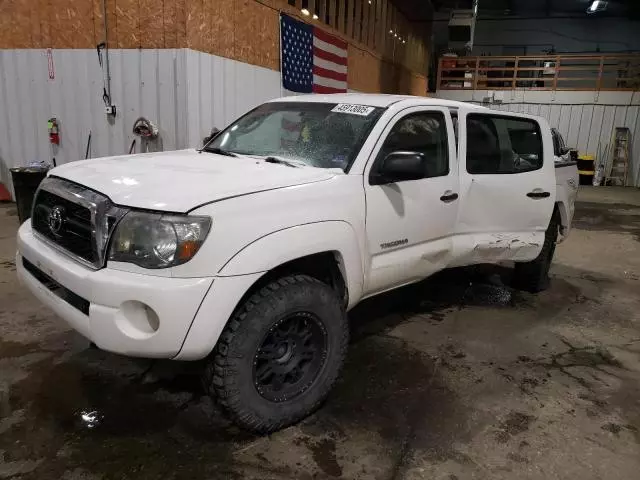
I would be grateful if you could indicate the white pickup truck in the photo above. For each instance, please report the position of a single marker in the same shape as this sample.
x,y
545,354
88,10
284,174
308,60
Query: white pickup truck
x,y
249,252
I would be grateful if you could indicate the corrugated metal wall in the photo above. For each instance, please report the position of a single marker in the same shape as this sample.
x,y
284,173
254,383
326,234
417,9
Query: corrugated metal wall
x,y
184,92
586,119
220,90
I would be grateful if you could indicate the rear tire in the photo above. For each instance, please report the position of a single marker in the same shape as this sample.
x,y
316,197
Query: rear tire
x,y
533,276
280,354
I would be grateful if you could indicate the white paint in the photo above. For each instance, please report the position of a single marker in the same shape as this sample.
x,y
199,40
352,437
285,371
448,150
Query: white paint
x,y
108,290
136,180
498,204
586,120
304,211
410,211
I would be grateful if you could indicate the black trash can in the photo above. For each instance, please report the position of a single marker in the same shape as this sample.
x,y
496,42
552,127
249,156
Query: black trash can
x,y
25,183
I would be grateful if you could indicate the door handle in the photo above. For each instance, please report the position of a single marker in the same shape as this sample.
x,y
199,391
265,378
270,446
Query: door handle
x,y
538,194
449,196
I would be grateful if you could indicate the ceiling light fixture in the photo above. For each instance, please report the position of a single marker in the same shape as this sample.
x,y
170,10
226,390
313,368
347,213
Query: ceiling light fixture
x,y
597,6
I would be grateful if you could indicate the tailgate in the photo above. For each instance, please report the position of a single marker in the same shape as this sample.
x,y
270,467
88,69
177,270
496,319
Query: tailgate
x,y
566,191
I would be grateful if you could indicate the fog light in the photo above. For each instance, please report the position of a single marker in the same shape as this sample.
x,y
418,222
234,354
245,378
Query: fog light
x,y
137,320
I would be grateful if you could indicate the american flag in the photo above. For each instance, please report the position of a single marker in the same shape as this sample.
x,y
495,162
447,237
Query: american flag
x,y
312,60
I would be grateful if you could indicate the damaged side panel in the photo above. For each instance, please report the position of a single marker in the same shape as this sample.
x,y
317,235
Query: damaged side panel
x,y
497,247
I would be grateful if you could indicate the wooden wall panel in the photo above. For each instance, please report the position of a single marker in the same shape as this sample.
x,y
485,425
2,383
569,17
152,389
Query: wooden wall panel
x,y
35,22
151,21
207,34
365,22
170,25
257,34
69,25
181,23
195,24
127,21
379,35
322,9
349,13
18,24
370,74
331,8
224,30
98,23
357,23
372,25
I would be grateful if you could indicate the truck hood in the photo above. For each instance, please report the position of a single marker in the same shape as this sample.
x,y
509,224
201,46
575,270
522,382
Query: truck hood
x,y
182,180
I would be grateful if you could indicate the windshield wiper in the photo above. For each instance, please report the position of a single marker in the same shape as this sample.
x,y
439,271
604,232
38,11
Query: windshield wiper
x,y
288,163
219,151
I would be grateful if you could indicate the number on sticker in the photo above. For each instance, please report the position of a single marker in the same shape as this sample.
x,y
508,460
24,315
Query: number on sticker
x,y
362,110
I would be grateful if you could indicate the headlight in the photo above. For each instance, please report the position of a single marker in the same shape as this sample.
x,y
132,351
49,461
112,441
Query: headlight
x,y
154,240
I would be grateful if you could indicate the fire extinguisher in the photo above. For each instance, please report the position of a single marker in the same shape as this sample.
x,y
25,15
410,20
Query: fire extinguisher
x,y
54,131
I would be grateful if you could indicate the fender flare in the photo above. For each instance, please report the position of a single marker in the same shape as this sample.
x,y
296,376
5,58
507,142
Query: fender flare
x,y
277,248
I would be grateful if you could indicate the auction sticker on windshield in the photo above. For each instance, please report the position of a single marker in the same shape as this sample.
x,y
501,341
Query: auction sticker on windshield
x,y
362,110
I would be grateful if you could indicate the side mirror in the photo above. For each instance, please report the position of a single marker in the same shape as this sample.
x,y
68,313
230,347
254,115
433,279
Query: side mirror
x,y
400,166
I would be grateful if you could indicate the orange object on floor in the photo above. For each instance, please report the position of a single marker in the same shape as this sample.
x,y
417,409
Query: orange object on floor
x,y
5,196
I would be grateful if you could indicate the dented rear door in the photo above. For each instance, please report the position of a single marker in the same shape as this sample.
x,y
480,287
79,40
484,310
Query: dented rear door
x,y
507,186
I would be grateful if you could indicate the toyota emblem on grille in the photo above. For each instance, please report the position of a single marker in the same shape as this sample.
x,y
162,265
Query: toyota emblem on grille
x,y
55,219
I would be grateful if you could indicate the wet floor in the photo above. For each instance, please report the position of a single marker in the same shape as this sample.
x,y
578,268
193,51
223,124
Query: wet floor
x,y
458,377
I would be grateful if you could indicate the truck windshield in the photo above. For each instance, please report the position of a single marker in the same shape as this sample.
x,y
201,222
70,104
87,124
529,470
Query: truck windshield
x,y
325,135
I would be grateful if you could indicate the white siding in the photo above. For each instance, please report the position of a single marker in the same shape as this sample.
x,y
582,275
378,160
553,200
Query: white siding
x,y
184,92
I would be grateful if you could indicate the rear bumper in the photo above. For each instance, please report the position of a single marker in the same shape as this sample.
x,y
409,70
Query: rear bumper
x,y
127,313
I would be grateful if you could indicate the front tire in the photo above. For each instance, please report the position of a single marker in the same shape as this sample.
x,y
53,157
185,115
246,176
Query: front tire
x,y
280,354
533,276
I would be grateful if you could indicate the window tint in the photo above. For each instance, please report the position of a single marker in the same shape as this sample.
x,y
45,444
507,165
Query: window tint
x,y
425,133
502,145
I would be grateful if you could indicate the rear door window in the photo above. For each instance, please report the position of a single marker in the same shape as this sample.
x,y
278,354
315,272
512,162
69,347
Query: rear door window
x,y
502,145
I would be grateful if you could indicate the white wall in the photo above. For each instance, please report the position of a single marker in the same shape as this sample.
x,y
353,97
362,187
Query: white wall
x,y
585,119
184,92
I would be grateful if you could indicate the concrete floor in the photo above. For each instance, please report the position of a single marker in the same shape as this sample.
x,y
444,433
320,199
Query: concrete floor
x,y
456,378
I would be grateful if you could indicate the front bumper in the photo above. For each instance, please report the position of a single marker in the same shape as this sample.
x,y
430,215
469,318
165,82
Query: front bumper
x,y
127,313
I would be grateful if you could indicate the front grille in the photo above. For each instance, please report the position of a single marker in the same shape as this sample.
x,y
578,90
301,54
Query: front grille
x,y
75,219
75,232
64,293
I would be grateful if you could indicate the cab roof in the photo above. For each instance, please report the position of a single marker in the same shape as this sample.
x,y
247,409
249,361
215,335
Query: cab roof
x,y
377,100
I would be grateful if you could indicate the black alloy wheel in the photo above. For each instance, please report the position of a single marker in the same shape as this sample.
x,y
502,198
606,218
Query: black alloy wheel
x,y
290,357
